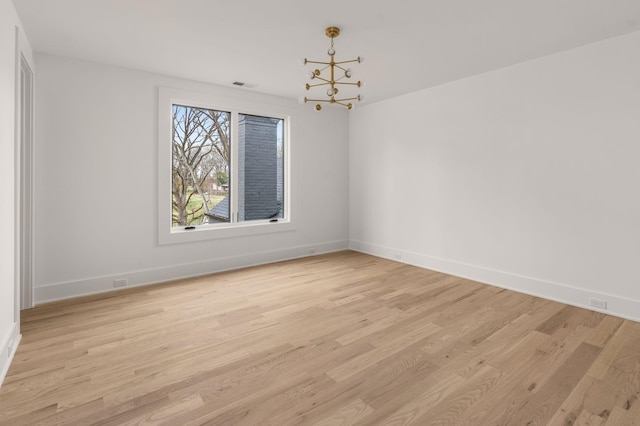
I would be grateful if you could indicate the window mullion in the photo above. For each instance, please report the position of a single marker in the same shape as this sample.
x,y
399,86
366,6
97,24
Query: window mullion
x,y
233,191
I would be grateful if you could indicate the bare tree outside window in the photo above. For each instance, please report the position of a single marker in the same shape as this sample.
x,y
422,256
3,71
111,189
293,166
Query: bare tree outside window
x,y
200,162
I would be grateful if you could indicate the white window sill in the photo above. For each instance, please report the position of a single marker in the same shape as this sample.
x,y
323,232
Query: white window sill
x,y
225,230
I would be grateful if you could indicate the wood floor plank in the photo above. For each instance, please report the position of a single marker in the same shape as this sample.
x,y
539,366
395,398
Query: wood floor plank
x,y
342,338
604,331
544,403
459,402
587,419
573,406
611,350
406,409
348,414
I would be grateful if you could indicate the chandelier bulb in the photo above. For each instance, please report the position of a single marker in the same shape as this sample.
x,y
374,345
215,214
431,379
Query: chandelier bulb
x,y
330,92
331,51
360,59
318,107
311,75
302,100
348,72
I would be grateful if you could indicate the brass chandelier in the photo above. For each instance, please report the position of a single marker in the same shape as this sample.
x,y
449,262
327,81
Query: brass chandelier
x,y
331,75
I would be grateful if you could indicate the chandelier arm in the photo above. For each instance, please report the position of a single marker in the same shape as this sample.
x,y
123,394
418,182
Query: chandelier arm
x,y
348,106
333,101
342,77
347,62
348,84
320,84
318,62
356,98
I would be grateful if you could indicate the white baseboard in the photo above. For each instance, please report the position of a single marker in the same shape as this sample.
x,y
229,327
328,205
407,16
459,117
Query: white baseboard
x,y
70,289
616,305
8,347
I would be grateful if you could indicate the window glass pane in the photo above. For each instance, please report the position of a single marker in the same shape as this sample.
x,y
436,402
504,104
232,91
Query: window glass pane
x,y
260,168
200,166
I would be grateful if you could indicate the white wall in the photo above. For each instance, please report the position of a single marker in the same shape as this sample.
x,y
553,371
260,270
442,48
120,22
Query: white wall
x,y
96,190
12,43
526,177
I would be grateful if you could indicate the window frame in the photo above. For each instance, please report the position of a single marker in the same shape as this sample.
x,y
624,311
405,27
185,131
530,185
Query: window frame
x,y
167,234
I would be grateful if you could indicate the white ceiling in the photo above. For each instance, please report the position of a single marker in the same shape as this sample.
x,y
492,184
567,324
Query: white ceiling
x,y
407,44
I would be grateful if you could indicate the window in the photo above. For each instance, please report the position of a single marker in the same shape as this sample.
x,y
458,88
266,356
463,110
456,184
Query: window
x,y
223,168
200,162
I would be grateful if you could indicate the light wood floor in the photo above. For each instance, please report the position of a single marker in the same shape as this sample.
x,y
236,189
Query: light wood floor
x,y
336,339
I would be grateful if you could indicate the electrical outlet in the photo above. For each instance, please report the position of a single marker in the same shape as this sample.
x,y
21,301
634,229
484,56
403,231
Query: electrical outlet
x,y
120,283
598,303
